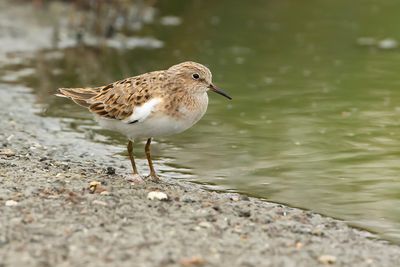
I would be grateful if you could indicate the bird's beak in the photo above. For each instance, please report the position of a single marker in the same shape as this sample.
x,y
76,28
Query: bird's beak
x,y
219,91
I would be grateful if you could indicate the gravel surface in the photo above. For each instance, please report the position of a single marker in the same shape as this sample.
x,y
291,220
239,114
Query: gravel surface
x,y
63,206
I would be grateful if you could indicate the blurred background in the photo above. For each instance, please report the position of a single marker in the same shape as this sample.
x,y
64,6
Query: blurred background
x,y
315,117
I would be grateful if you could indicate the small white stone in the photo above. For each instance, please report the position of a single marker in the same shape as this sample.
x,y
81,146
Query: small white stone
x,y
205,224
99,202
327,259
11,203
10,138
157,195
235,198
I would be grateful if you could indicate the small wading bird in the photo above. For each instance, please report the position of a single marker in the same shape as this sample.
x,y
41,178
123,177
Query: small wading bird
x,y
154,104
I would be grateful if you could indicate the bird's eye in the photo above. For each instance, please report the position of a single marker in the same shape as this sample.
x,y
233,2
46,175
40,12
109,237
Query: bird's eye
x,y
195,76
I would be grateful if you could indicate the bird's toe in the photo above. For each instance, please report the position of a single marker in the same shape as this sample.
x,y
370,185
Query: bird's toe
x,y
153,177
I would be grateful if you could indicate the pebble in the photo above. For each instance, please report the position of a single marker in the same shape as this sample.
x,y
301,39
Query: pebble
x,y
327,259
11,203
317,232
157,195
94,183
7,152
95,187
110,171
188,199
192,261
205,224
299,245
244,213
99,202
234,197
10,138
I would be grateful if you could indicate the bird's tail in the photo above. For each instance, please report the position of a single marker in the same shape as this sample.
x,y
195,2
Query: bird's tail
x,y
81,96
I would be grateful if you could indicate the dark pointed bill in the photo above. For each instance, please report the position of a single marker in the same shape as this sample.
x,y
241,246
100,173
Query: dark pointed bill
x,y
219,91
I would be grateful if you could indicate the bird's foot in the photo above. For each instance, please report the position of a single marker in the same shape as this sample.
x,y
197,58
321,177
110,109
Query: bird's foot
x,y
153,178
135,179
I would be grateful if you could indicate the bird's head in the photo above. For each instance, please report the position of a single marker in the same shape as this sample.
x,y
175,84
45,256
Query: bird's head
x,y
195,77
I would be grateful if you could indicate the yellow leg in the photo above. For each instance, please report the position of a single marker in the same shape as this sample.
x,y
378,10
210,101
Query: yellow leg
x,y
130,153
148,155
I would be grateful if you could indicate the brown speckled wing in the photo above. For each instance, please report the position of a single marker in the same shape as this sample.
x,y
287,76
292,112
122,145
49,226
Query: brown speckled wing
x,y
119,99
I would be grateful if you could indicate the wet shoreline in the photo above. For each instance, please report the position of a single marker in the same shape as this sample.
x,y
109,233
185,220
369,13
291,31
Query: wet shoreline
x,y
51,217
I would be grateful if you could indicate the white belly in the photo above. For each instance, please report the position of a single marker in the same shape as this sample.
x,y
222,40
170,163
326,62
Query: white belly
x,y
155,126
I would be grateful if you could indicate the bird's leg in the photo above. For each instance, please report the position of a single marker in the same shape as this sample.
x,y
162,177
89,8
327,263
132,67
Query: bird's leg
x,y
148,155
135,178
131,157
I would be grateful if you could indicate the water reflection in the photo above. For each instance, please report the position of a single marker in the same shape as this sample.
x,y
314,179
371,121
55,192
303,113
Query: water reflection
x,y
315,117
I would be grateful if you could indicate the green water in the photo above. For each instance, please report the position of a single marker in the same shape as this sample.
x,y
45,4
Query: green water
x,y
315,116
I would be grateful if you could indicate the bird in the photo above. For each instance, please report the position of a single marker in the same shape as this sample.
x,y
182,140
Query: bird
x,y
151,105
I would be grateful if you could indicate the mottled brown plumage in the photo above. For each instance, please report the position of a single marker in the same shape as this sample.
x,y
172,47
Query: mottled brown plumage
x,y
118,100
152,104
